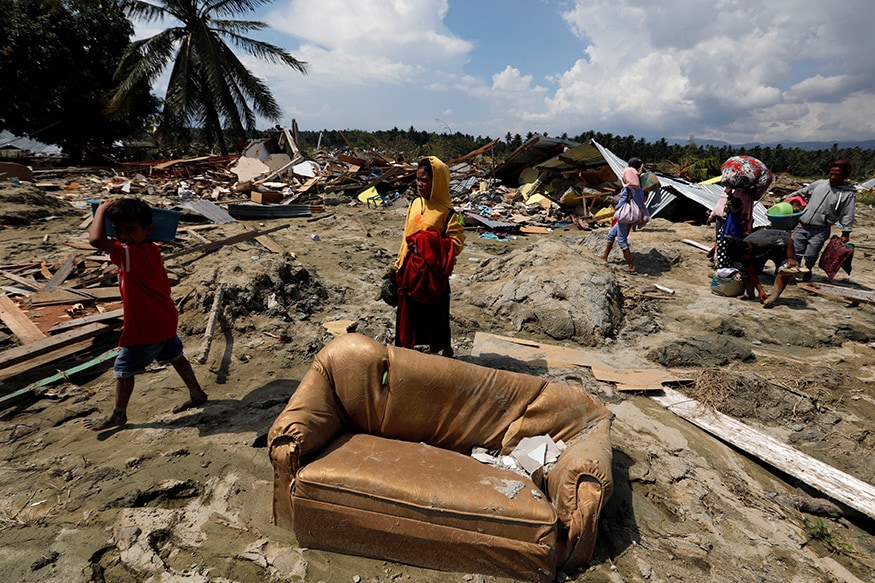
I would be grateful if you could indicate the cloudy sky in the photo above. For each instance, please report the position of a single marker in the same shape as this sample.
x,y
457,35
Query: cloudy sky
x,y
733,70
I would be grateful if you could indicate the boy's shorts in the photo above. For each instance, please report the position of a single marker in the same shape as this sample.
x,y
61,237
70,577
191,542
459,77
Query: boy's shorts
x,y
133,360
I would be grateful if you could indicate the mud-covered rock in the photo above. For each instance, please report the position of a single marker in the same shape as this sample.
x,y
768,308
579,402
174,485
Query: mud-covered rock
x,y
686,352
549,289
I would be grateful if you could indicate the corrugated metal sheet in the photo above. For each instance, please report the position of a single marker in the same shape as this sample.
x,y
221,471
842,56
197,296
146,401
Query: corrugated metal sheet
x,y
7,138
707,195
208,209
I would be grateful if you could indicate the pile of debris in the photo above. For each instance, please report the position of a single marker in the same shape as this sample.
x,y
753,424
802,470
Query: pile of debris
x,y
545,184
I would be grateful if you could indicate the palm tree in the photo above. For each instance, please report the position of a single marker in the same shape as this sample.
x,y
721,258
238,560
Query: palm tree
x,y
208,87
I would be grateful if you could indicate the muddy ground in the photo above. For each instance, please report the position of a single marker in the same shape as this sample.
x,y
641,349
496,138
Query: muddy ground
x,y
186,497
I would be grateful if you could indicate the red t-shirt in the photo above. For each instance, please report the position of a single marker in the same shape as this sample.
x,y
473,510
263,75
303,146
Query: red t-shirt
x,y
150,314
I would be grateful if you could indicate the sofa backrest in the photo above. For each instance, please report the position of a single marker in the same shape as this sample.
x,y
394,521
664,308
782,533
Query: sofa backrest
x,y
453,404
357,384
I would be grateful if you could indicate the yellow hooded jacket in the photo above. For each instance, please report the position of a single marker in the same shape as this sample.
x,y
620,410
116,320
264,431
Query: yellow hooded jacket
x,y
433,214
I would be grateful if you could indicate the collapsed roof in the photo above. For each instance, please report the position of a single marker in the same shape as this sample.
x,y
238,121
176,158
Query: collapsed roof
x,y
560,156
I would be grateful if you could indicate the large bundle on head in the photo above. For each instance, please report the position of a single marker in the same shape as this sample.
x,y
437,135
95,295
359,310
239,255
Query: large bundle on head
x,y
746,172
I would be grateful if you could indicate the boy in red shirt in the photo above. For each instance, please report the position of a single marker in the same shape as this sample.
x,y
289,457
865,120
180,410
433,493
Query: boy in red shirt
x,y
150,316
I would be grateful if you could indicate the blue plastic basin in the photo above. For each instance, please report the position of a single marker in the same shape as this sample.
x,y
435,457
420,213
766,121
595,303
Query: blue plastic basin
x,y
165,221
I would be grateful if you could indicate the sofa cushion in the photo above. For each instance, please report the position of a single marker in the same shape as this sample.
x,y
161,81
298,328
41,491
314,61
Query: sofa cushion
x,y
364,487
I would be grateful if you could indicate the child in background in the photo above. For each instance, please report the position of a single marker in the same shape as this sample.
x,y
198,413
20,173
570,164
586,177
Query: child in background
x,y
150,316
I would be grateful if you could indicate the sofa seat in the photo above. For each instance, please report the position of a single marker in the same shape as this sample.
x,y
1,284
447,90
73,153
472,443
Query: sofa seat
x,y
362,487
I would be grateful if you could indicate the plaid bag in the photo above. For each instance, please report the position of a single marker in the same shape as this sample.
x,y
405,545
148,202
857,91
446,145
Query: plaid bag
x,y
836,255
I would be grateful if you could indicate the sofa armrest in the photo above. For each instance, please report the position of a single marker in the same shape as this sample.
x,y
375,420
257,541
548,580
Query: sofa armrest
x,y
579,485
311,417
308,422
285,459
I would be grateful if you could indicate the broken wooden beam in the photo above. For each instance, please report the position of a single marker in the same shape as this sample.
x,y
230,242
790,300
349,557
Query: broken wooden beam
x,y
76,322
208,247
37,348
18,322
29,283
696,244
836,484
852,295
61,274
33,389
211,326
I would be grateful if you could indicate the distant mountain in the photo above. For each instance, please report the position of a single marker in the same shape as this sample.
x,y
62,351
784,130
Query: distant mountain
x,y
808,146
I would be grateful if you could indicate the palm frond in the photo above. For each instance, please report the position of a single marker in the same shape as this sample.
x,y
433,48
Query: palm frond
x,y
237,26
268,52
142,9
209,87
253,90
143,61
232,7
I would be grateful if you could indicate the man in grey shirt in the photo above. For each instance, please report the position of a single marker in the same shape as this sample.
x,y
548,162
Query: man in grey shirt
x,y
829,201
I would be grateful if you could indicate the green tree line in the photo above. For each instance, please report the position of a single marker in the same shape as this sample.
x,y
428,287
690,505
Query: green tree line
x,y
699,161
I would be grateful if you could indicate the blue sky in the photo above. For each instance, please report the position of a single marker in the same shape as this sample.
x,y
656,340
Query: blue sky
x,y
733,70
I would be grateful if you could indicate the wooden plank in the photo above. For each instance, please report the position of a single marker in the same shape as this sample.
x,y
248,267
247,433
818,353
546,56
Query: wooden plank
x,y
839,292
29,283
76,322
19,291
71,296
38,348
61,274
45,359
534,230
696,244
836,484
20,266
18,322
267,241
207,247
169,163
34,388
627,379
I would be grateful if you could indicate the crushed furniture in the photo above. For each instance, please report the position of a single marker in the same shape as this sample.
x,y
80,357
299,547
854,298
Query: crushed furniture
x,y
371,457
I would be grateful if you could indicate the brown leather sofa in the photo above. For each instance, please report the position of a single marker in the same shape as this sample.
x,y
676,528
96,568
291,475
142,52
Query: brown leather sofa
x,y
371,457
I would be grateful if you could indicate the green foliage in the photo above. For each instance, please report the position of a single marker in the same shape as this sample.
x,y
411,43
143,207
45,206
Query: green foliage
x,y
702,162
866,197
57,58
819,530
209,87
409,144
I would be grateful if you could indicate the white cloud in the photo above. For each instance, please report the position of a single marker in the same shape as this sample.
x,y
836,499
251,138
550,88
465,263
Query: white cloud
x,y
511,80
720,70
738,70
409,33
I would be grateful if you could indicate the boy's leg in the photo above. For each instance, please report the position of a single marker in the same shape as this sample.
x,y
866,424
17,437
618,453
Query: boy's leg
x,y
124,388
196,395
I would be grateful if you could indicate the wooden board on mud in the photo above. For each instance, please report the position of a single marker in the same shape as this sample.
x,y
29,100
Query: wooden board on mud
x,y
626,379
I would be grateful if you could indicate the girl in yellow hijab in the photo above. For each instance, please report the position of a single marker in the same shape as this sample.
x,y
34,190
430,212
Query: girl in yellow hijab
x,y
437,236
